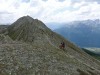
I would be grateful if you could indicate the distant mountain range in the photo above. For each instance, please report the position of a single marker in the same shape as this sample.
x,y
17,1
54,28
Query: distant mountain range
x,y
83,33
54,25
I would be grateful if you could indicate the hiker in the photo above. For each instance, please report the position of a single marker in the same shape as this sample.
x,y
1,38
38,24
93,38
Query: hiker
x,y
62,45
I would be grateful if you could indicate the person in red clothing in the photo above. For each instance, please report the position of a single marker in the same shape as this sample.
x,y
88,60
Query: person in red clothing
x,y
62,45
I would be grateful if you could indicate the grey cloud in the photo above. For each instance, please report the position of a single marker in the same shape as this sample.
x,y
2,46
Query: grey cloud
x,y
58,0
61,0
44,0
85,13
4,12
26,1
6,18
16,5
98,1
75,1
34,3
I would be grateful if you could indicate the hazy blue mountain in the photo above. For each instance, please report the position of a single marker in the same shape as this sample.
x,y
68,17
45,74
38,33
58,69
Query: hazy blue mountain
x,y
83,33
54,25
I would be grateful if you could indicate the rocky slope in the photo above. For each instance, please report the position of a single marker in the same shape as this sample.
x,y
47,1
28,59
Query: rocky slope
x,y
30,48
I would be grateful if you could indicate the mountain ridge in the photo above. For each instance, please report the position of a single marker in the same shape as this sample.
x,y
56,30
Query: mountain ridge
x,y
25,27
34,50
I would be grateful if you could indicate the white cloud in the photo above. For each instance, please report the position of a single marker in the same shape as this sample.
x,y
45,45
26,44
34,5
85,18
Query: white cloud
x,y
49,10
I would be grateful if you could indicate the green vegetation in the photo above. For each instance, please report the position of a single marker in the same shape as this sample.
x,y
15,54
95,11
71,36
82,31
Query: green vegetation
x,y
93,52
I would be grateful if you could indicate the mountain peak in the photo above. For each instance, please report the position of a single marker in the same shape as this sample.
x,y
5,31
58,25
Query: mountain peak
x,y
26,28
26,18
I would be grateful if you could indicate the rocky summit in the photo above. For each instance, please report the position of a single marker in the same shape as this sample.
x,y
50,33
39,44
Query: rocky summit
x,y
28,47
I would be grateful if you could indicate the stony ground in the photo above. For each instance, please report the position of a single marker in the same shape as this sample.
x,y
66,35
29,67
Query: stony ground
x,y
23,55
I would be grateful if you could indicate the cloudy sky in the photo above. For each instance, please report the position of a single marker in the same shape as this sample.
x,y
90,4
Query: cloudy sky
x,y
49,10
